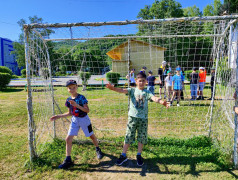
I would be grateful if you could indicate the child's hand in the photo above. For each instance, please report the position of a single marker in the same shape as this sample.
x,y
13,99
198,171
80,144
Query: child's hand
x,y
110,86
54,117
72,102
165,103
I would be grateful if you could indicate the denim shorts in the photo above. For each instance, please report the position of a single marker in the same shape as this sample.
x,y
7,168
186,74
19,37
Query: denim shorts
x,y
201,86
80,122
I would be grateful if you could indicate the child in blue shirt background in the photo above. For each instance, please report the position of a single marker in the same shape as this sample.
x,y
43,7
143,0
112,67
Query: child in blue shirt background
x,y
177,85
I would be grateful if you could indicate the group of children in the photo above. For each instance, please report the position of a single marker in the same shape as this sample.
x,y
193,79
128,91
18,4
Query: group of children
x,y
137,118
78,108
174,85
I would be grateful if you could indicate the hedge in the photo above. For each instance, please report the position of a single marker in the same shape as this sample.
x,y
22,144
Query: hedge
x,y
85,76
23,73
4,69
5,79
113,77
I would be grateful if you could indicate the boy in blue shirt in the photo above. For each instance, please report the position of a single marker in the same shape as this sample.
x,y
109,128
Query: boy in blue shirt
x,y
78,108
151,83
177,85
137,116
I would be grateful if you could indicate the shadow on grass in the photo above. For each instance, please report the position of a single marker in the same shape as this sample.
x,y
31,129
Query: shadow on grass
x,y
151,166
10,90
162,154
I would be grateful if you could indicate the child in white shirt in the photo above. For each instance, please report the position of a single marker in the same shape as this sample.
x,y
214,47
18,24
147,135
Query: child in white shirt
x,y
168,84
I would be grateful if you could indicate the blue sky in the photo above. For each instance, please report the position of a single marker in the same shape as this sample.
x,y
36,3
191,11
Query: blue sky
x,y
62,11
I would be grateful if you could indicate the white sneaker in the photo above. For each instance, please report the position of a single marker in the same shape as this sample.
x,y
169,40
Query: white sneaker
x,y
178,105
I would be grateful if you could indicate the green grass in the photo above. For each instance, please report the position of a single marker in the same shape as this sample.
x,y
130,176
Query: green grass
x,y
173,150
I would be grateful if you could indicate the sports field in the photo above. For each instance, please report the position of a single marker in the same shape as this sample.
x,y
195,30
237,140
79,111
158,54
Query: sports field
x,y
170,154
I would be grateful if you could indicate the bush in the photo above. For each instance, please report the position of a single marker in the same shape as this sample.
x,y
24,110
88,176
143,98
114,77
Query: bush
x,y
15,76
23,73
84,76
113,77
4,69
187,74
5,79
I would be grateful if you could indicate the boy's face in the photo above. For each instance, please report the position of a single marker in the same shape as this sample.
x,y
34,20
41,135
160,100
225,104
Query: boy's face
x,y
213,71
72,89
178,72
140,83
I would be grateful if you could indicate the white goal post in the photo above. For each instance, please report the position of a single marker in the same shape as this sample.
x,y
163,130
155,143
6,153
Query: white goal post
x,y
58,52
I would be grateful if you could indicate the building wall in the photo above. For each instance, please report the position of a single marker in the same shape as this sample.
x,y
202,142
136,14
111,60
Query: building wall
x,y
140,55
6,58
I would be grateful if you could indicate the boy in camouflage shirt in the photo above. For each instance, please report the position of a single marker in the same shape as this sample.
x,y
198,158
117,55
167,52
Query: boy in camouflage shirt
x,y
137,116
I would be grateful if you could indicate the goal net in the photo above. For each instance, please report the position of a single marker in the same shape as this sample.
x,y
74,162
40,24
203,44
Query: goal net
x,y
95,53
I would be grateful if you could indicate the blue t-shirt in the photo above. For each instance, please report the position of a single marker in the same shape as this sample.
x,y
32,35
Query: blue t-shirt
x,y
80,100
178,82
151,80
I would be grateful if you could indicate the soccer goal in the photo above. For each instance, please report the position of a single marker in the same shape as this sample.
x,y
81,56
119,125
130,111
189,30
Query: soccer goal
x,y
96,53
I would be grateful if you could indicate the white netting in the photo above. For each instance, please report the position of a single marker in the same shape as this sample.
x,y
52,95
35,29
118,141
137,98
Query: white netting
x,y
58,54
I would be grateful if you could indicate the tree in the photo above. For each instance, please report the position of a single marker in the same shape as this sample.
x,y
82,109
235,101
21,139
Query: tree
x,y
161,9
193,11
213,9
230,6
19,46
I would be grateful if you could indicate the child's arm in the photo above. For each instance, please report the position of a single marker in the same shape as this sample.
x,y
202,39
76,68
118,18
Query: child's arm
x,y
83,108
119,90
158,100
172,85
60,116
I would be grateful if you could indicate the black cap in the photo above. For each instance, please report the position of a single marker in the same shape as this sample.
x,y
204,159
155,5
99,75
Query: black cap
x,y
144,68
69,82
150,72
194,68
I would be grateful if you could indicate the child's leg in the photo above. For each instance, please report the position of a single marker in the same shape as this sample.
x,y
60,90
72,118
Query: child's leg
x,y
174,94
125,148
140,147
94,139
178,96
69,140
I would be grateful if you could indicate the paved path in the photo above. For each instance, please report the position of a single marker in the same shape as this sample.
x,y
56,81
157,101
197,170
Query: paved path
x,y
61,81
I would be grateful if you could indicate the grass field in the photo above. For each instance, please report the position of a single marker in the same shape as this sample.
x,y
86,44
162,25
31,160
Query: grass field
x,y
168,156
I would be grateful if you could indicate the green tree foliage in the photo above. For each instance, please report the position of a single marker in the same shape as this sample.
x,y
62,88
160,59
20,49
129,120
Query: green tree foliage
x,y
213,9
230,6
19,52
23,73
19,46
187,52
193,11
165,9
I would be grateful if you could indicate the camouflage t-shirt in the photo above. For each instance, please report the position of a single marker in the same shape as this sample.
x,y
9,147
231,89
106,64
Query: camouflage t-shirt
x,y
139,102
